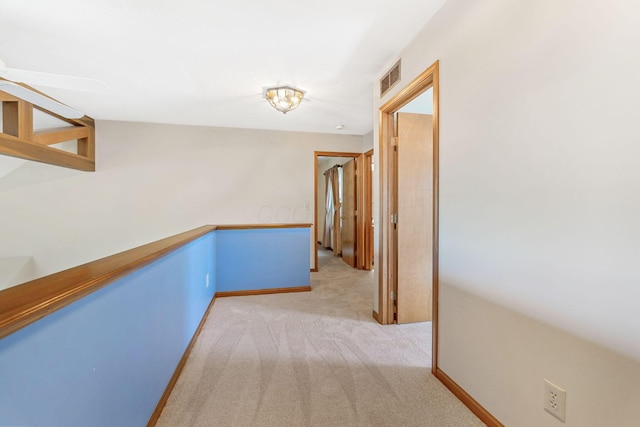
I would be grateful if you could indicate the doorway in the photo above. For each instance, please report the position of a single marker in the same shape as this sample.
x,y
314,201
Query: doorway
x,y
341,208
408,229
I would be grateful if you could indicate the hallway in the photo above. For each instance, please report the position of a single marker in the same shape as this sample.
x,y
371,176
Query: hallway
x,y
311,359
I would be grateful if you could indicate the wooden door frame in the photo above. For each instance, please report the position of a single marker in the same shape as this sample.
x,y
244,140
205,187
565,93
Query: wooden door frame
x,y
428,78
350,210
367,212
317,154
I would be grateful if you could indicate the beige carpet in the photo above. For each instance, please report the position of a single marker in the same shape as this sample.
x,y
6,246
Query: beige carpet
x,y
311,359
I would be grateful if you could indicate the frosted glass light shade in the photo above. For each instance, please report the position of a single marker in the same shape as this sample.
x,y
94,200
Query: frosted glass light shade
x,y
284,98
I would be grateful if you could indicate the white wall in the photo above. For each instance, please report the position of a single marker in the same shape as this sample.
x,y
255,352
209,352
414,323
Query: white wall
x,y
15,270
539,203
153,181
501,358
367,142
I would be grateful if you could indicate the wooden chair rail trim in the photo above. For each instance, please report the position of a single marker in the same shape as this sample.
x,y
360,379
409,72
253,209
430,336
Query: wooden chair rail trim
x,y
260,226
24,304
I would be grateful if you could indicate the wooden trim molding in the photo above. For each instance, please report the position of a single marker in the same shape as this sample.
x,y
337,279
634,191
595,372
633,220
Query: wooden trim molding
x,y
484,415
412,90
24,304
55,136
263,291
18,139
367,211
435,83
26,149
155,416
336,154
385,231
375,316
260,226
361,211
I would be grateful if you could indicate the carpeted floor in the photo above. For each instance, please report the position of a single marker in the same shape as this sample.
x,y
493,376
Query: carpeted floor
x,y
311,359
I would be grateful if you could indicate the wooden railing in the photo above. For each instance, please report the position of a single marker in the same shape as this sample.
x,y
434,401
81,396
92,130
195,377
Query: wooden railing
x,y
24,304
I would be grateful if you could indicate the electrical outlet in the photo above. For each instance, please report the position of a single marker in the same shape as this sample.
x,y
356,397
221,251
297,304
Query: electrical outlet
x,y
555,400
207,280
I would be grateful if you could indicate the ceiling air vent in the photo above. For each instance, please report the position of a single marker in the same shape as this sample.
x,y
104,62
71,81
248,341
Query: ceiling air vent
x,y
390,79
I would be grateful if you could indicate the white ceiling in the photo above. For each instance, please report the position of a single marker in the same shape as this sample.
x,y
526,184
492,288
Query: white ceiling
x,y
205,62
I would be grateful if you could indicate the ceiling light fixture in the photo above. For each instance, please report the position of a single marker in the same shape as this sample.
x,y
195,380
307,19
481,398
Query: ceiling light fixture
x,y
284,98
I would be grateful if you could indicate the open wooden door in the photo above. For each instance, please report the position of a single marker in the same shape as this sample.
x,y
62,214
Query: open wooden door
x,y
415,217
349,198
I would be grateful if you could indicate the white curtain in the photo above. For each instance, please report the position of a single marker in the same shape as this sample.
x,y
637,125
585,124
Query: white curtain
x,y
328,216
337,212
332,227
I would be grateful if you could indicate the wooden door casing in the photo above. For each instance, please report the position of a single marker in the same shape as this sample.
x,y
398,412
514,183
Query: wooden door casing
x,y
349,203
366,249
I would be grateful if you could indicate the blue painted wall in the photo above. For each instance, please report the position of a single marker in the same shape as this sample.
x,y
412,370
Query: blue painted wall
x,y
105,360
262,259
